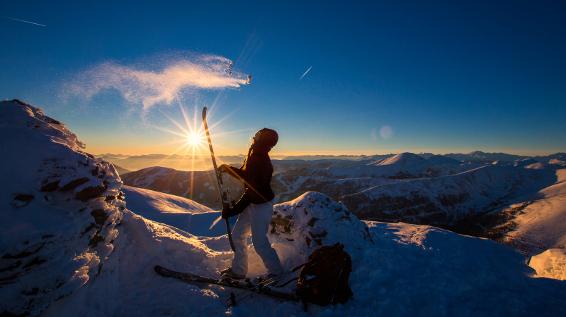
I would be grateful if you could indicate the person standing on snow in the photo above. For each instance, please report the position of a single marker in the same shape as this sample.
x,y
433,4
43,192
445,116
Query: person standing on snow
x,y
255,207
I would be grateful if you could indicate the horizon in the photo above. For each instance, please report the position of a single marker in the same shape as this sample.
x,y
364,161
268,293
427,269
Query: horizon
x,y
278,154
332,78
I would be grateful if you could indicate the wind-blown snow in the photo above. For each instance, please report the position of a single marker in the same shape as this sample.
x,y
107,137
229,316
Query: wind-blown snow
x,y
151,87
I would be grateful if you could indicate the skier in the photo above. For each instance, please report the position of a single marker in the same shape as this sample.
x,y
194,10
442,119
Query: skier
x,y
254,208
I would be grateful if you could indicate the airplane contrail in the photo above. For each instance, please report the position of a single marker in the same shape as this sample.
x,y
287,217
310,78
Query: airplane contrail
x,y
25,21
306,72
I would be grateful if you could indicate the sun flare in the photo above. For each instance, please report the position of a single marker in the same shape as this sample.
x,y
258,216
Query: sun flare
x,y
194,139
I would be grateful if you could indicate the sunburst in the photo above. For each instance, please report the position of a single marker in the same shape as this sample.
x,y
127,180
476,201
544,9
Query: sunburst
x,y
190,140
194,139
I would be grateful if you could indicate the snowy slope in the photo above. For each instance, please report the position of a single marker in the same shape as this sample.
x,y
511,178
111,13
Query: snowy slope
x,y
97,256
540,230
399,270
543,220
197,185
445,200
176,211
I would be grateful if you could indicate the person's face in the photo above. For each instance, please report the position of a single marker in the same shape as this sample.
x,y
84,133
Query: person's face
x,y
255,139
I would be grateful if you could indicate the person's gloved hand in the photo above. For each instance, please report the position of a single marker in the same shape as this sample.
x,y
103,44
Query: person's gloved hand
x,y
223,168
227,212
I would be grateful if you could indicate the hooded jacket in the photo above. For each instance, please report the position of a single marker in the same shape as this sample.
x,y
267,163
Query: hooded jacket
x,y
255,174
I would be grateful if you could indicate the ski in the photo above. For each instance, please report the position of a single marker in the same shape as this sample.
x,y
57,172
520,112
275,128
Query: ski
x,y
223,192
245,284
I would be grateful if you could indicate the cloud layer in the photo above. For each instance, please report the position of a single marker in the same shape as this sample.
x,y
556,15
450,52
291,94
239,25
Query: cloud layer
x,y
150,88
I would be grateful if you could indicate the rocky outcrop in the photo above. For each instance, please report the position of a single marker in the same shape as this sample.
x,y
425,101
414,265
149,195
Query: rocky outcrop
x,y
59,211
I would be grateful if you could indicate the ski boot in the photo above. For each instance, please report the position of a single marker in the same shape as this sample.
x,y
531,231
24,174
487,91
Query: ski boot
x,y
228,274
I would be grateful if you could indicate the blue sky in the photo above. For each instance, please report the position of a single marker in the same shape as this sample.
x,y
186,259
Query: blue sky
x,y
443,76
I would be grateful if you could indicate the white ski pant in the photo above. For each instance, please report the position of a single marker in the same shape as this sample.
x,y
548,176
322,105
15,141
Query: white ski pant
x,y
255,218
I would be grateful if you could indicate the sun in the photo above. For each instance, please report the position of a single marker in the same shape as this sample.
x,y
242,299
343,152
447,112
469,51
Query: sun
x,y
194,139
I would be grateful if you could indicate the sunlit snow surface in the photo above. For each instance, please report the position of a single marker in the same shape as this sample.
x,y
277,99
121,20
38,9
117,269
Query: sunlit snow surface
x,y
406,270
398,269
541,230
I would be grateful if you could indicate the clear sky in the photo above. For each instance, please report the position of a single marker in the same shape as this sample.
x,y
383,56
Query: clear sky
x,y
385,76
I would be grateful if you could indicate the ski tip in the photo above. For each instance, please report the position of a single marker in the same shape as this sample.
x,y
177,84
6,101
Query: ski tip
x,y
204,112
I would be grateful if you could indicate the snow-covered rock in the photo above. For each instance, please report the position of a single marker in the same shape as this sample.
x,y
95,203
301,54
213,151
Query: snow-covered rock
x,y
59,210
312,220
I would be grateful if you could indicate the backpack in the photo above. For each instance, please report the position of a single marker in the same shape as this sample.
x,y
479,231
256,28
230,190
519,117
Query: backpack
x,y
323,279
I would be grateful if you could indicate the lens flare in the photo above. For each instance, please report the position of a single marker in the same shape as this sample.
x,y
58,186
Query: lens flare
x,y
194,139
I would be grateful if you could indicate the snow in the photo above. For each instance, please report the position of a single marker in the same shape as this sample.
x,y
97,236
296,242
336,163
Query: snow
x,y
540,229
449,198
550,264
403,165
404,159
179,212
544,219
407,270
398,269
59,210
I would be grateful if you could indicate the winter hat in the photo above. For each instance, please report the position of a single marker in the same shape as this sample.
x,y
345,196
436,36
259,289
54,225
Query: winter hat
x,y
266,138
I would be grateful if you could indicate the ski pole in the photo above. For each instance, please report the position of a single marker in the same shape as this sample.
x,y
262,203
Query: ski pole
x,y
223,194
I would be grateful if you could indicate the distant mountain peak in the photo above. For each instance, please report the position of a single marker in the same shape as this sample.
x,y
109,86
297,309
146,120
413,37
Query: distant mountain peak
x,y
402,159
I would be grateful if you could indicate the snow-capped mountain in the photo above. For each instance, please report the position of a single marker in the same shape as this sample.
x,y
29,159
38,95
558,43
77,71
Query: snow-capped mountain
x,y
176,161
74,241
407,187
486,157
448,199
402,166
197,185
293,177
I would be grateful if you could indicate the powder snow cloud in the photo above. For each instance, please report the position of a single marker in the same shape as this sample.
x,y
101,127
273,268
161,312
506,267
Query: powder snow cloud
x,y
149,87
